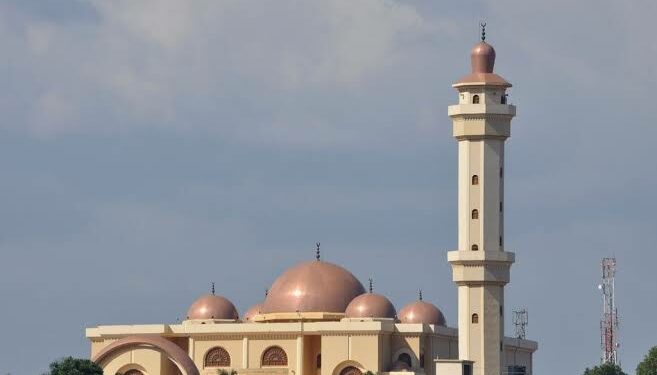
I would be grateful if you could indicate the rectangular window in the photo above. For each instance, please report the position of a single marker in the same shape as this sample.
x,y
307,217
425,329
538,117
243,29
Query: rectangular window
x,y
501,207
501,172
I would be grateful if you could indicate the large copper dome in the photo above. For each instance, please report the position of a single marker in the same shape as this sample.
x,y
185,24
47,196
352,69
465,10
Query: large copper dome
x,y
212,307
314,286
370,305
421,312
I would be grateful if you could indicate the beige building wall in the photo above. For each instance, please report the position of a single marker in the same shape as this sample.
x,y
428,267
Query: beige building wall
x,y
335,351
368,345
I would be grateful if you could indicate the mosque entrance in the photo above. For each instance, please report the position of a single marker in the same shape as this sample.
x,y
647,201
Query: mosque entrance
x,y
351,370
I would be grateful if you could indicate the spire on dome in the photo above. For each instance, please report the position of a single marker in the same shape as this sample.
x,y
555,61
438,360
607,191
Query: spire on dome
x,y
213,288
420,294
317,254
371,282
483,31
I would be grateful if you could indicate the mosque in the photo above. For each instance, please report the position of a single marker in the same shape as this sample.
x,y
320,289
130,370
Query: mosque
x,y
318,319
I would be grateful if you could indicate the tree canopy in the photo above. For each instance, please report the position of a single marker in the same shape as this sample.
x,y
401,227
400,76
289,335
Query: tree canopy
x,y
605,369
649,364
74,366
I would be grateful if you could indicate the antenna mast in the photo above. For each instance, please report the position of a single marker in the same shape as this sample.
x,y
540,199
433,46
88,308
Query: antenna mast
x,y
609,322
520,321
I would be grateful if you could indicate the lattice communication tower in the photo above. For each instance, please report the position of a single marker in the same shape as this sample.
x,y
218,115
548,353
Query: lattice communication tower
x,y
609,323
520,321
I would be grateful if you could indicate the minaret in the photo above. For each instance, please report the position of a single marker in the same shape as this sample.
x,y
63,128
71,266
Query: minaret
x,y
480,266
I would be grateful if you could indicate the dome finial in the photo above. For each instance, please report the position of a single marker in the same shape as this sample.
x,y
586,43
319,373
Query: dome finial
x,y
371,285
420,294
213,288
482,24
266,293
317,254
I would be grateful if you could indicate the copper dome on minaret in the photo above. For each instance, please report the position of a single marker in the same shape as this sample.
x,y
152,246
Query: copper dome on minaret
x,y
482,62
421,312
482,58
211,306
314,286
371,305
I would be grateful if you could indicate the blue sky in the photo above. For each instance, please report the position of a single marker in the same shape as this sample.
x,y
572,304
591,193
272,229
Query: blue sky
x,y
149,148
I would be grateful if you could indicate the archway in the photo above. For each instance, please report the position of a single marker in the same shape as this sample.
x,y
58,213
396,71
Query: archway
x,y
351,370
173,352
348,368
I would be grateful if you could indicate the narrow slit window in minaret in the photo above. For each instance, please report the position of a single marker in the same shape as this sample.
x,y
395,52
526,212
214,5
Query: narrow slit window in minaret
x,y
475,180
475,99
503,100
475,319
475,214
501,207
500,240
475,247
501,172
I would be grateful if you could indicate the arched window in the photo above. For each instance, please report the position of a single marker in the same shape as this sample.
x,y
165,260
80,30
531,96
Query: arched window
x,y
274,356
475,318
133,372
475,180
475,214
503,100
318,362
406,358
351,370
217,357
475,99
475,247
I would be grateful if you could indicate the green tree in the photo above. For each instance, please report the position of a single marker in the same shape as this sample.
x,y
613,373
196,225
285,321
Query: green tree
x,y
649,364
605,369
74,366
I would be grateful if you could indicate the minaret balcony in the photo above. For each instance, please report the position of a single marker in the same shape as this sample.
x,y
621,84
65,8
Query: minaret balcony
x,y
474,110
486,267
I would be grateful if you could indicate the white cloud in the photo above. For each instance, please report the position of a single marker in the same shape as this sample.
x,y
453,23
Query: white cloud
x,y
143,62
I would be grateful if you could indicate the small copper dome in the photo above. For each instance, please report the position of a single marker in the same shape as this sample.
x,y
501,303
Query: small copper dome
x,y
251,312
482,58
211,306
370,305
314,286
421,312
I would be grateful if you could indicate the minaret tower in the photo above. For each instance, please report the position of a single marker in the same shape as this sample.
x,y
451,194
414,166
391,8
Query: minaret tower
x,y
480,265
